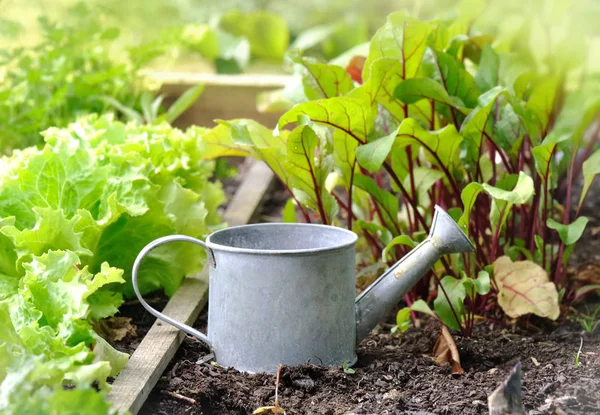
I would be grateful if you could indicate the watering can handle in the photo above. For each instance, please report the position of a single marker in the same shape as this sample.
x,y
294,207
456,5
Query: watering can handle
x,y
134,279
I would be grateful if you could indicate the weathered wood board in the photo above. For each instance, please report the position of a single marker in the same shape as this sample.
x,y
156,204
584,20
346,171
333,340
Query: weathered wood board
x,y
245,202
134,383
224,97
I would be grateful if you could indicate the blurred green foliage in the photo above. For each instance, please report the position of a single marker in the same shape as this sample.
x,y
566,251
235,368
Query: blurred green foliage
x,y
73,70
59,78
255,30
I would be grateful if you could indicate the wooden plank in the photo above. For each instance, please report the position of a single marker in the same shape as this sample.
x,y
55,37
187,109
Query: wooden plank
x,y
188,79
133,385
245,202
225,96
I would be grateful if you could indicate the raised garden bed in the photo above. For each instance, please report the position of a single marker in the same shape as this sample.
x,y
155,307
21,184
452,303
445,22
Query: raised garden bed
x,y
393,374
444,119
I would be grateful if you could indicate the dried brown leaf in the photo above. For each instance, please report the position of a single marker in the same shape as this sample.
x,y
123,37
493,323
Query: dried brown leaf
x,y
268,410
588,273
446,352
595,230
115,328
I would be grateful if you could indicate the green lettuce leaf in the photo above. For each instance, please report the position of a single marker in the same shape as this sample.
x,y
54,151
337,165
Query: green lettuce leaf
x,y
46,336
73,217
103,190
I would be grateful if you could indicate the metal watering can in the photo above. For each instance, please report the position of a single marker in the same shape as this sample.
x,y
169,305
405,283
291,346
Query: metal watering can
x,y
283,293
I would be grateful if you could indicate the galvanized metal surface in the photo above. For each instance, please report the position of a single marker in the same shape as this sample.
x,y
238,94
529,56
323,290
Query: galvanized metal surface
x,y
373,304
278,293
282,293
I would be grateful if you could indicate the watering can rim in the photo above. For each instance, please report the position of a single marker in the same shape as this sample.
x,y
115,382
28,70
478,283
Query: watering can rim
x,y
345,244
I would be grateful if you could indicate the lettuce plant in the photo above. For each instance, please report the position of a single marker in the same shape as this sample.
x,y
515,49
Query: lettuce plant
x,y
47,336
53,82
103,189
436,113
73,217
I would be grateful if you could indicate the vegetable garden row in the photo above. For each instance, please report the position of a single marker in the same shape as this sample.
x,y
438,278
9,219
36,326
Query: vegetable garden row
x,y
500,135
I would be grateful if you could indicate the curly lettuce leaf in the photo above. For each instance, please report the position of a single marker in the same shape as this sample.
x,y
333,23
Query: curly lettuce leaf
x,y
103,190
46,336
73,217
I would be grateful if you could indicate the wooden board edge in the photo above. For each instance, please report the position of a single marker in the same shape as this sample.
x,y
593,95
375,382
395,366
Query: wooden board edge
x,y
246,200
242,80
133,385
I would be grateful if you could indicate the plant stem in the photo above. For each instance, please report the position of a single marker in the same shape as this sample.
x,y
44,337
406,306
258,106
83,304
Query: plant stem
x,y
372,241
496,239
513,220
277,389
317,188
546,185
494,167
380,216
350,195
396,180
534,211
470,321
544,220
442,166
411,176
391,172
503,156
302,210
410,222
479,234
409,303
566,217
432,121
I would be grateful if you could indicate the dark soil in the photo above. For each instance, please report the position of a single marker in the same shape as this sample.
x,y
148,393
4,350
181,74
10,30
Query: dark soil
x,y
397,375
140,319
271,208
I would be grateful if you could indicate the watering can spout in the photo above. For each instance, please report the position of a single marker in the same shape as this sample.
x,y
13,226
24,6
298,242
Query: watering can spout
x,y
373,304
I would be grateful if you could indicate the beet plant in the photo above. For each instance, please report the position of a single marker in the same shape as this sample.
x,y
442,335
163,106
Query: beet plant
x,y
437,114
